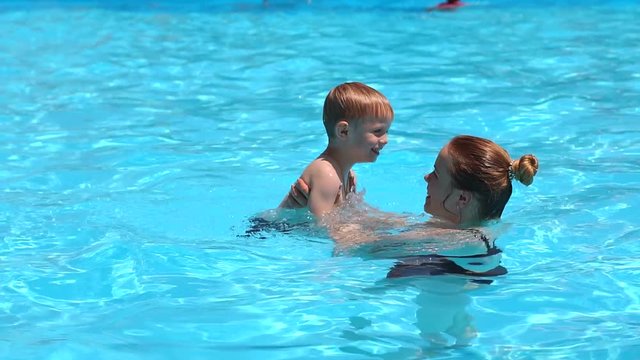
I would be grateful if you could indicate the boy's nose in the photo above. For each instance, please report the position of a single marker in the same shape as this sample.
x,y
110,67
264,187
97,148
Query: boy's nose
x,y
384,139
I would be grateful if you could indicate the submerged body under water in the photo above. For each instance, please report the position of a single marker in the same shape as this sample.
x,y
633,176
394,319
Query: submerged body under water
x,y
446,270
372,233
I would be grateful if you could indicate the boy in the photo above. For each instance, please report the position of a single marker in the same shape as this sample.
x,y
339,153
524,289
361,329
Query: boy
x,y
357,119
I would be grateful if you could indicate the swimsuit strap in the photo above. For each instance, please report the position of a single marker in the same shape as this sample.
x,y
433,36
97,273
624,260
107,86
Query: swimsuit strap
x,y
492,249
491,245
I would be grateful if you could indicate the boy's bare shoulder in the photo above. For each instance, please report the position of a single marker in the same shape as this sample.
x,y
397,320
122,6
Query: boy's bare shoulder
x,y
320,171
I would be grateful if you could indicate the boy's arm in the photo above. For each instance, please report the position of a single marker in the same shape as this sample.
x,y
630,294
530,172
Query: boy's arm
x,y
325,189
298,195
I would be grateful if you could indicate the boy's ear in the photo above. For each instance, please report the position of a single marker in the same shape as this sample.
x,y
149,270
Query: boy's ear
x,y
341,129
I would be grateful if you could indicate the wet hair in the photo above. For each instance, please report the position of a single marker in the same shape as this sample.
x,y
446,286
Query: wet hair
x,y
354,101
486,169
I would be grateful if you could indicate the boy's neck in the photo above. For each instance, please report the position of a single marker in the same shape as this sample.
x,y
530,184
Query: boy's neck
x,y
336,157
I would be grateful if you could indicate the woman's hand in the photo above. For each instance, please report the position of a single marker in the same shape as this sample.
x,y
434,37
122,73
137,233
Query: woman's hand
x,y
298,194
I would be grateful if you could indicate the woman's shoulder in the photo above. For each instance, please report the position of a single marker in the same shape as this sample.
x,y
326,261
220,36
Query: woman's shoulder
x,y
468,243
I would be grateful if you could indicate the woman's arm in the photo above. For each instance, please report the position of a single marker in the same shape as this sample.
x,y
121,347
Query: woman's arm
x,y
299,196
357,224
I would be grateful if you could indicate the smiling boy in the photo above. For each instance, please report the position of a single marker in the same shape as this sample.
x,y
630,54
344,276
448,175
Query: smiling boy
x,y
357,119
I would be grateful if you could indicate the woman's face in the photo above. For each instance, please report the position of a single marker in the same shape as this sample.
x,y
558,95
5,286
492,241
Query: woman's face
x,y
441,195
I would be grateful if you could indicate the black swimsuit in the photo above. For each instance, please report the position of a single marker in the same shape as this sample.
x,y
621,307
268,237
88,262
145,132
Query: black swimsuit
x,y
435,264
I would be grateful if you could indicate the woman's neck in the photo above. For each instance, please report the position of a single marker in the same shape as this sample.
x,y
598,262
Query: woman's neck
x,y
447,224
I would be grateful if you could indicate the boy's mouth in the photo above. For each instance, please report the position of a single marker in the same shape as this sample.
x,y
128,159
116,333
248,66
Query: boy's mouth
x,y
376,151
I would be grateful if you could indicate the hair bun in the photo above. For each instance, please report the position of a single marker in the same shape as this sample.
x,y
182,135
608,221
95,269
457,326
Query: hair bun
x,y
525,169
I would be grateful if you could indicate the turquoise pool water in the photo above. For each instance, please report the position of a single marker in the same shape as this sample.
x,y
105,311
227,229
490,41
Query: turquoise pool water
x,y
136,141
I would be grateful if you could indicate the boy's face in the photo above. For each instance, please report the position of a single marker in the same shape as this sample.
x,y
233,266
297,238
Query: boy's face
x,y
368,137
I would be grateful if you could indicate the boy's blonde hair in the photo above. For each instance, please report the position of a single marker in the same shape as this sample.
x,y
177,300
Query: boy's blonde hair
x,y
354,101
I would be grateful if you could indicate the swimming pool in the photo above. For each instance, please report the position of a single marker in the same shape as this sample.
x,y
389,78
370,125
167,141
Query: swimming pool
x,y
138,139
